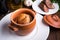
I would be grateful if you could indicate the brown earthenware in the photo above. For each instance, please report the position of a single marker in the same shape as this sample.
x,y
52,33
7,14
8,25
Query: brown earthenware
x,y
22,29
53,21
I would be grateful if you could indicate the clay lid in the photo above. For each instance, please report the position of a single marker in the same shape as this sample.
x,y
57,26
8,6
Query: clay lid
x,y
52,20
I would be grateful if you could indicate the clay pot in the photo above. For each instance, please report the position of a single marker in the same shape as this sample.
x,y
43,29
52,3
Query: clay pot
x,y
22,29
52,20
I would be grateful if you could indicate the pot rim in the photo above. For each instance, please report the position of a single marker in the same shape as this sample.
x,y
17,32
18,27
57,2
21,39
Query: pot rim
x,y
23,9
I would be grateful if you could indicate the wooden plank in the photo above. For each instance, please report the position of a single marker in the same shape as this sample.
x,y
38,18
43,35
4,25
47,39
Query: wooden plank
x,y
52,35
58,34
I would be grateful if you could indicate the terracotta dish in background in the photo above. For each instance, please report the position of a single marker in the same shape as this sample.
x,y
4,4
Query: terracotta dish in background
x,y
52,20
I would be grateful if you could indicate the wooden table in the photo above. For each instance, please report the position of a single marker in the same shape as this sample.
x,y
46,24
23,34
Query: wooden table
x,y
54,34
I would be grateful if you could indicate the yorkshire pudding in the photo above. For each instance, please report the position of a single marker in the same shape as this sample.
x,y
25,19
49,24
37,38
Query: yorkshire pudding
x,y
24,18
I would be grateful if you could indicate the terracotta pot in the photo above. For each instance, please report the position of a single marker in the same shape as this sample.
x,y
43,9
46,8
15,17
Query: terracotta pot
x,y
52,20
22,29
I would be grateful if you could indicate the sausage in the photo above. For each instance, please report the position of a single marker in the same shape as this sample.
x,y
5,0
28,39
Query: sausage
x,y
43,6
49,4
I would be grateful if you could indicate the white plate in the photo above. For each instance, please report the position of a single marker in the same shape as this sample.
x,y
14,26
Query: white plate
x,y
40,32
37,9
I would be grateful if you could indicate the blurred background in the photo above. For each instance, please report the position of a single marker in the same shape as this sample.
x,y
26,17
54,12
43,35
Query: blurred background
x,y
3,8
11,5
